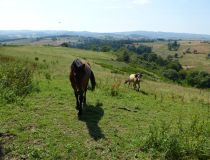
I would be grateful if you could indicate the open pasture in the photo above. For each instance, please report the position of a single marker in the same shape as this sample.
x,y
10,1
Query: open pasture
x,y
162,121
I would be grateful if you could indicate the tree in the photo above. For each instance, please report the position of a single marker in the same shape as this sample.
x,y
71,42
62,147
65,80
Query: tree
x,y
173,46
174,65
123,55
199,79
171,74
105,49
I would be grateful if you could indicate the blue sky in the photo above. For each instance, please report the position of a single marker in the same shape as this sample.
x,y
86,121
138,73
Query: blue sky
x,y
190,16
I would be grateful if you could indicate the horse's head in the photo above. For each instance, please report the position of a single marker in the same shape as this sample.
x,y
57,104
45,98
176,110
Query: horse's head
x,y
78,68
138,76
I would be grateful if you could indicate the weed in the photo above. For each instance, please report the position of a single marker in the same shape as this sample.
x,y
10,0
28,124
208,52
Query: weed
x,y
179,141
36,58
48,76
15,81
115,89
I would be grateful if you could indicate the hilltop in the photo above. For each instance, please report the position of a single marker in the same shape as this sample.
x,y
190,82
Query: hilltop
x,y
8,35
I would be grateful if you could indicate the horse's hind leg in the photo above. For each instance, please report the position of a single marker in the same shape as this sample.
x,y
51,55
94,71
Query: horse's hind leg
x,y
138,86
134,85
81,98
77,100
85,97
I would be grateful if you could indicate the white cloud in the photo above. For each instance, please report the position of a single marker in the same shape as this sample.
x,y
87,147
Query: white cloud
x,y
141,2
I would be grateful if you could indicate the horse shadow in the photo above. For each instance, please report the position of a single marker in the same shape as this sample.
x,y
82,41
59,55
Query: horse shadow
x,y
1,151
91,116
143,92
5,138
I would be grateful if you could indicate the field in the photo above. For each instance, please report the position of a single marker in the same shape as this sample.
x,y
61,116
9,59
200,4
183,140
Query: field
x,y
162,121
193,61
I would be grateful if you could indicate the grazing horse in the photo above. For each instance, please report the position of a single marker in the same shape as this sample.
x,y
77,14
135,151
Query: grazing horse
x,y
135,79
79,76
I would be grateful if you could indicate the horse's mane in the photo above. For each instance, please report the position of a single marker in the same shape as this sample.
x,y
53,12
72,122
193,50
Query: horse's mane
x,y
77,63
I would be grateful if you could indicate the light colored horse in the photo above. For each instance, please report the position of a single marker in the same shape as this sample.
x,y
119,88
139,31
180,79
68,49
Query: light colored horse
x,y
135,79
79,76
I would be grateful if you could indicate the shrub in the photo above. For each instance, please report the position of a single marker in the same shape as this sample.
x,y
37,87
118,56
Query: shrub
x,y
115,89
36,58
123,55
174,65
15,81
182,75
179,140
65,44
48,76
173,46
171,74
199,79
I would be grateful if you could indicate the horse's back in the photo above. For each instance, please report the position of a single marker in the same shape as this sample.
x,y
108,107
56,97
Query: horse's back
x,y
132,76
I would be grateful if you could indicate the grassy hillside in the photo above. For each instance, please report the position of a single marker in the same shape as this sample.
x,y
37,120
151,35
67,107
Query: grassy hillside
x,y
162,121
193,61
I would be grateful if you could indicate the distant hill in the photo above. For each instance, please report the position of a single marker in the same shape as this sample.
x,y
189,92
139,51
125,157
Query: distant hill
x,y
7,35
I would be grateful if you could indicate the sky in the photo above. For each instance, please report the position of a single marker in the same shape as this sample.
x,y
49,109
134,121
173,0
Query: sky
x,y
183,16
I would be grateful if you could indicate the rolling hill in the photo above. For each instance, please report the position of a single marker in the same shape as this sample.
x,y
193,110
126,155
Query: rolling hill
x,y
162,121
12,35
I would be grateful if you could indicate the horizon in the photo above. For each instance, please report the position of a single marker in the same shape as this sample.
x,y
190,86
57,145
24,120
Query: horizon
x,y
110,16
46,30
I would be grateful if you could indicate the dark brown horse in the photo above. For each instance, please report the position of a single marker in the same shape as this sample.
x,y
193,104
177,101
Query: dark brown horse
x,y
79,77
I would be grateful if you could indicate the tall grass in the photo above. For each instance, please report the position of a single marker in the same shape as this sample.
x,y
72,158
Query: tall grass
x,y
16,80
180,140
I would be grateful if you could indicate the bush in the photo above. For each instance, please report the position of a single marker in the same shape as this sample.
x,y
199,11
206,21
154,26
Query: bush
x,y
199,79
15,81
173,46
123,55
115,89
171,74
182,75
174,65
180,140
140,49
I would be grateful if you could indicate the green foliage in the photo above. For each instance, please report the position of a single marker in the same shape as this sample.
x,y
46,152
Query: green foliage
x,y
48,76
173,46
182,74
152,57
171,74
105,49
15,81
123,55
174,65
65,44
199,79
46,126
115,89
140,49
179,141
36,58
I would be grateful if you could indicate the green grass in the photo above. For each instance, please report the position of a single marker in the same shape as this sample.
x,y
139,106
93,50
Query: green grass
x,y
114,126
194,61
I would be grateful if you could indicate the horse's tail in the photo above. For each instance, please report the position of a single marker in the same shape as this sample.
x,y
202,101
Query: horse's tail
x,y
92,80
